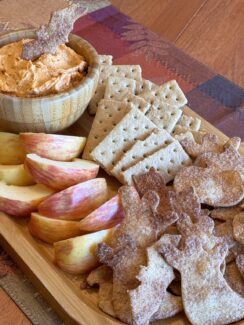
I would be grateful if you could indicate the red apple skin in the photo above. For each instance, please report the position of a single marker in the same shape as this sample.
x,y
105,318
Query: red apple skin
x,y
76,201
18,209
53,146
52,230
106,216
57,177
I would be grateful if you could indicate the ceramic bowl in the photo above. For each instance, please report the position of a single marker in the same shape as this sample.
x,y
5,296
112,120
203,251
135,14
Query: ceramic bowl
x,y
54,112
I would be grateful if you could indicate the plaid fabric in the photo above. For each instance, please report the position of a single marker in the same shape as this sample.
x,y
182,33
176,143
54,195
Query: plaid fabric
x,y
215,98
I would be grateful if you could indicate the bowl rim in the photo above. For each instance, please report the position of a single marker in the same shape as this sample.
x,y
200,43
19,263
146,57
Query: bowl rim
x,y
92,70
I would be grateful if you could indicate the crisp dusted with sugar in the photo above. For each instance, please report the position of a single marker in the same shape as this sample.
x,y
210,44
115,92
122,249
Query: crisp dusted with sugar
x,y
238,227
50,36
151,294
230,159
204,289
103,276
234,278
211,185
225,213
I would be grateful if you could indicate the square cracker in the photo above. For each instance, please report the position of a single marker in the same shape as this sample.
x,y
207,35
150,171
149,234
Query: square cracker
x,y
144,86
105,59
122,71
168,93
168,161
137,102
190,122
185,135
164,115
99,94
197,135
134,126
109,113
141,149
117,87
106,71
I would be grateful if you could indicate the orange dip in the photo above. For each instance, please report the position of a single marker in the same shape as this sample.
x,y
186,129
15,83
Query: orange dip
x,y
49,74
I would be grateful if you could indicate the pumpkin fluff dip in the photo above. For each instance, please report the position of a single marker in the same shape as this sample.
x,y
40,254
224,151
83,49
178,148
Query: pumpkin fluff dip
x,y
48,74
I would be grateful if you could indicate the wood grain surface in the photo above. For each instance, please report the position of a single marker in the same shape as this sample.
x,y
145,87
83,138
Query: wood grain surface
x,y
9,312
76,306
212,31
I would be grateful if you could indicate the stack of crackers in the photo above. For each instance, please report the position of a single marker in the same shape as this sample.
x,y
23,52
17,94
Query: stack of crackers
x,y
180,247
138,124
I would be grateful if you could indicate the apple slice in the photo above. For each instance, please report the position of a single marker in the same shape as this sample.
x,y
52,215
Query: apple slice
x,y
12,151
15,175
76,201
53,230
78,255
106,216
53,146
20,201
60,174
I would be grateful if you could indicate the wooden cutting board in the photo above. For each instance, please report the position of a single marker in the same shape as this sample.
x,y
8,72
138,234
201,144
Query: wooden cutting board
x,y
60,289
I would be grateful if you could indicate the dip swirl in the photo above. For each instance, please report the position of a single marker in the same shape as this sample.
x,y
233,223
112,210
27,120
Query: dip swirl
x,y
49,74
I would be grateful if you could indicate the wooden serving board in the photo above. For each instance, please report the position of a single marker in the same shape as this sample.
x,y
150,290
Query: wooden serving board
x,y
60,289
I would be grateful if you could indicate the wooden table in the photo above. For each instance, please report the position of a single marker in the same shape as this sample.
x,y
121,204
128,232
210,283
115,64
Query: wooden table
x,y
209,30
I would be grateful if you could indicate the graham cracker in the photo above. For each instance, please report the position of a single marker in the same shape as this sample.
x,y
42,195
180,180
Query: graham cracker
x,y
105,59
106,71
186,135
133,126
109,113
122,71
137,102
141,149
99,94
117,87
144,86
164,115
190,122
168,161
197,135
168,93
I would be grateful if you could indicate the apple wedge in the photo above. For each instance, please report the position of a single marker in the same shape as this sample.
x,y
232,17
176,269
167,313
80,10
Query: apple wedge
x,y
20,201
53,146
52,230
78,255
76,201
15,175
12,151
106,216
60,174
